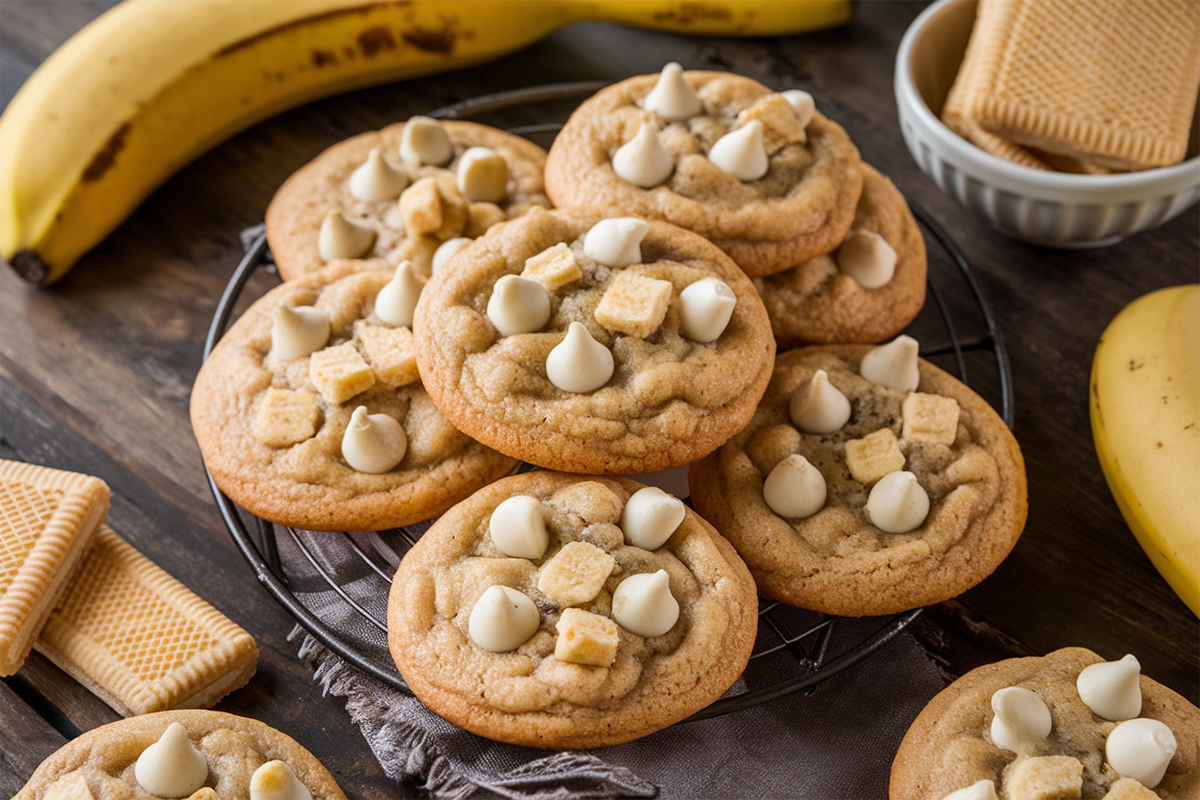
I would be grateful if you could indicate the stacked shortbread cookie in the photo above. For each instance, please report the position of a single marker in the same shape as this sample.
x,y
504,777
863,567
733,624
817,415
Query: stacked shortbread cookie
x,y
100,610
1079,86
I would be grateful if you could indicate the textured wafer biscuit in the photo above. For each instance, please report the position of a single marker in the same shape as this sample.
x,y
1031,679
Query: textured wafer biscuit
x,y
47,519
139,639
1110,83
233,748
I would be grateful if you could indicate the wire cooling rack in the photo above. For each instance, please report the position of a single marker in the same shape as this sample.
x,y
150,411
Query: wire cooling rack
x,y
336,585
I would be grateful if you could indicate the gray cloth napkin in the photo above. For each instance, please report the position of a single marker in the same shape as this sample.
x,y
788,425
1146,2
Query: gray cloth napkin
x,y
837,742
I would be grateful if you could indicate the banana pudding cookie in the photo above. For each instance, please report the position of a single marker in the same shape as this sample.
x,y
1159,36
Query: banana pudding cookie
x,y
310,412
1068,725
564,611
411,191
866,290
869,482
761,174
200,755
608,347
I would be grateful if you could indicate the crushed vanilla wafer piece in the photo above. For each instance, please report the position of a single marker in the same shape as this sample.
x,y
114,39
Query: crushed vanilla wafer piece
x,y
286,417
553,268
391,353
873,456
635,305
140,640
48,518
340,372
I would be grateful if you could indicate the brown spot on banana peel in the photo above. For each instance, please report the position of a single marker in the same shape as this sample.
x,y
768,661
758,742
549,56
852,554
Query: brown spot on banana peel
x,y
434,41
30,267
688,13
249,41
375,40
106,156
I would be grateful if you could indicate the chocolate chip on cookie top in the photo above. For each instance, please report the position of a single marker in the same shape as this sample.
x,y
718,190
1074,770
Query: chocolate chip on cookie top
x,y
412,191
557,610
602,346
868,482
1065,725
761,174
310,411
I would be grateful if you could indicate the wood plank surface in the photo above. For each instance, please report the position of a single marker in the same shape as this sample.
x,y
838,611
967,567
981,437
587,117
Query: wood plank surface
x,y
95,372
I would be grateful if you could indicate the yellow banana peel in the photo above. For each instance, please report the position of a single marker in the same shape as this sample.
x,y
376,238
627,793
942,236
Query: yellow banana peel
x,y
152,84
1145,411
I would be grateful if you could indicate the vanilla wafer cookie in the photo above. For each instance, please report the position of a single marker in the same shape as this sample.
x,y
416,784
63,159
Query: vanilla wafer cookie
x,y
140,640
1113,84
48,517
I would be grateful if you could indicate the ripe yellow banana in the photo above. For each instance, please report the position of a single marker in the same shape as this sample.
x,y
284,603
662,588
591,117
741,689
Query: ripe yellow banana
x,y
152,84
1145,408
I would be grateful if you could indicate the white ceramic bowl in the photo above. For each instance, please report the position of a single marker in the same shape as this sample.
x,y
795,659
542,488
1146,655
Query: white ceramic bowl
x,y
1047,208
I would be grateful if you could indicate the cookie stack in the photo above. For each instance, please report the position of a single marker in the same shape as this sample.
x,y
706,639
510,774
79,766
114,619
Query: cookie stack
x,y
455,326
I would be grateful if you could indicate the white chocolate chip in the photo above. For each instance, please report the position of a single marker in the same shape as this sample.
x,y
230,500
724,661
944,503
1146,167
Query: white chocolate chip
x,y
424,141
502,620
616,242
897,503
818,406
650,517
398,298
172,766
376,180
868,259
643,161
518,527
795,489
343,238
1111,689
1141,749
643,604
1021,716
446,251
373,443
275,780
741,152
298,332
893,365
672,98
482,175
579,363
518,305
705,308
802,103
980,790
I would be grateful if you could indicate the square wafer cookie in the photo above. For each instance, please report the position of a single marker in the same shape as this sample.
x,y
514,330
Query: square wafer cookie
x,y
140,640
1113,83
47,521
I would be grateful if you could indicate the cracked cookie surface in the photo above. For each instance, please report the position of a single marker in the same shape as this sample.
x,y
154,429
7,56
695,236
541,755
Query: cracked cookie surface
x,y
801,208
669,401
530,696
835,560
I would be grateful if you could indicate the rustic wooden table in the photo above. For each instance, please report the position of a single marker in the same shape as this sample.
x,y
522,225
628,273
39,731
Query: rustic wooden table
x,y
96,372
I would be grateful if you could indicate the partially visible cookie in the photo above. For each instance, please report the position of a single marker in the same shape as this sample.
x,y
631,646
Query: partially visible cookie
x,y
634,355
566,611
273,409
867,290
235,762
799,178
408,201
822,492
956,742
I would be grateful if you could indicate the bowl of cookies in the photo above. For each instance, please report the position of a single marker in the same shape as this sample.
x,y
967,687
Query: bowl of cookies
x,y
1063,127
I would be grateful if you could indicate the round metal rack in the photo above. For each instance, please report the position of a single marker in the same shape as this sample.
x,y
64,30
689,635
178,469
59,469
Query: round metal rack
x,y
336,585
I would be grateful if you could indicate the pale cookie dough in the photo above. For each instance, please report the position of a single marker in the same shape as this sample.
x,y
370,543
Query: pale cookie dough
x,y
669,399
950,746
232,747
802,207
817,303
835,560
274,439
298,209
627,685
